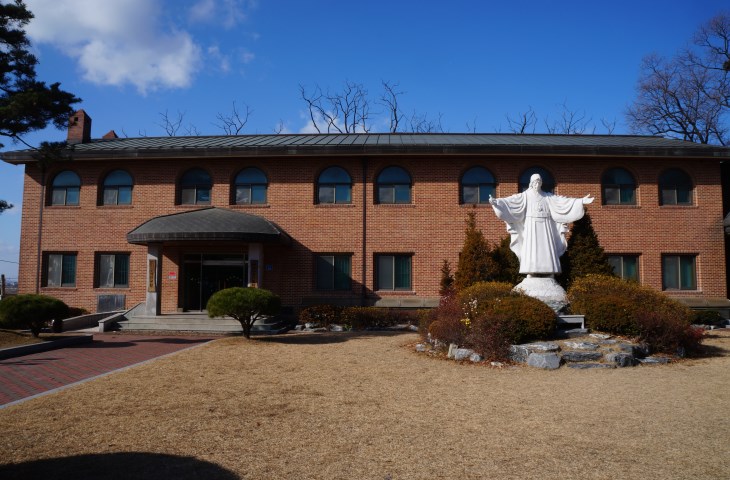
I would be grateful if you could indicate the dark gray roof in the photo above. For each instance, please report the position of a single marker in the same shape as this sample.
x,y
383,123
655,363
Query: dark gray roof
x,y
208,224
382,144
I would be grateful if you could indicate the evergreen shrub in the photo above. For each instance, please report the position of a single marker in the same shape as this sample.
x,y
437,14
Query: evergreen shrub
x,y
244,304
31,311
477,298
528,318
707,317
321,315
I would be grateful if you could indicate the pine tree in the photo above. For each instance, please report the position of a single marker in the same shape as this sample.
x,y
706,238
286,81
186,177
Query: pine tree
x,y
446,285
584,255
508,265
475,262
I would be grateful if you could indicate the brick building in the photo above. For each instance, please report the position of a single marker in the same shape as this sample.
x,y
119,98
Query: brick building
x,y
352,219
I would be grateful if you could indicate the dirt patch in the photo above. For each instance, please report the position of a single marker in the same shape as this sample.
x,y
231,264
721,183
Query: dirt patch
x,y
17,338
362,406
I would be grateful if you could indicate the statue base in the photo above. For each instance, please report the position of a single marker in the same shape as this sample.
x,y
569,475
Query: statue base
x,y
545,289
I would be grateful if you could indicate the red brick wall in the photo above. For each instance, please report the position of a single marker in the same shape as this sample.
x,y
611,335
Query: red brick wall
x,y
431,228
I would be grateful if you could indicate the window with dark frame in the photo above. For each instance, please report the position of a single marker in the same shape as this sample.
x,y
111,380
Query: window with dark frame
x,y
112,270
65,188
195,187
60,270
393,186
675,188
117,188
334,272
250,187
625,266
619,187
334,185
679,272
477,184
548,182
393,272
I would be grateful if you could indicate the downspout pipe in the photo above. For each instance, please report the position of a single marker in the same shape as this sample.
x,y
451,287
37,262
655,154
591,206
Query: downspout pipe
x,y
363,273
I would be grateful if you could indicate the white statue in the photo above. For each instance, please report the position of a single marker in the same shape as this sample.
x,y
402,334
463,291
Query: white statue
x,y
537,222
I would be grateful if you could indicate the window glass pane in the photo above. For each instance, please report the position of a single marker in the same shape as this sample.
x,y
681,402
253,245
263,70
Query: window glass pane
x,y
612,195
669,196
627,195
106,270
68,271
477,175
670,272
258,194
124,196
687,273
67,179
616,264
110,196
326,194
342,272
325,269
243,195
386,194
72,195
121,270
402,194
187,196
334,175
394,175
631,268
58,197
403,273
203,196
470,194
54,270
196,176
684,196
343,194
251,175
118,178
485,191
385,272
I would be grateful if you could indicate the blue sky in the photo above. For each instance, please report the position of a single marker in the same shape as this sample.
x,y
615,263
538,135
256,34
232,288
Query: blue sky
x,y
471,62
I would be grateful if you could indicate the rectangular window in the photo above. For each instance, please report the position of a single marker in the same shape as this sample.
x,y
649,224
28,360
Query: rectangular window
x,y
394,272
113,270
625,266
61,270
679,272
334,272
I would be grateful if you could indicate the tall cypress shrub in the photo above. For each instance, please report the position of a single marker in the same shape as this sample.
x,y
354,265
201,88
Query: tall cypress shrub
x,y
475,261
584,255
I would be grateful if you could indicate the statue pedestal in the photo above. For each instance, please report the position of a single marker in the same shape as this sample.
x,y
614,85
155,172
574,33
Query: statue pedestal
x,y
545,289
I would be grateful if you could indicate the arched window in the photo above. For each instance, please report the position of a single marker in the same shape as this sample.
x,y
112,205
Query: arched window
x,y
393,186
250,187
65,188
619,187
548,182
195,186
477,184
675,188
334,186
117,188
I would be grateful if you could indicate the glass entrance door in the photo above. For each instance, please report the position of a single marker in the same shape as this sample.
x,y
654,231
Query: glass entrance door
x,y
206,274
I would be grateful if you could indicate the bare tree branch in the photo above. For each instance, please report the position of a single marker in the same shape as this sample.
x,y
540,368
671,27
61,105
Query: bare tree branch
x,y
389,99
235,122
169,124
524,123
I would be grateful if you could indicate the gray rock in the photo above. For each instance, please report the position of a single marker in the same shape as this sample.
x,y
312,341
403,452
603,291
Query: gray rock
x,y
309,325
475,357
546,361
497,364
638,351
608,342
621,359
585,366
601,336
573,356
653,360
542,347
420,347
582,345
462,353
337,328
452,348
518,353
574,332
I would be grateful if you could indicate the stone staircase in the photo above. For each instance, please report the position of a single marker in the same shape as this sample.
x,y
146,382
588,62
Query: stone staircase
x,y
200,322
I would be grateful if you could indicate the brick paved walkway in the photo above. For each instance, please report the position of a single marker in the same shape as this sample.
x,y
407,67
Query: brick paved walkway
x,y
29,375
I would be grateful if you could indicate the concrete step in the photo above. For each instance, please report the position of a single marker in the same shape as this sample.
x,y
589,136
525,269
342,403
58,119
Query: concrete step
x,y
200,323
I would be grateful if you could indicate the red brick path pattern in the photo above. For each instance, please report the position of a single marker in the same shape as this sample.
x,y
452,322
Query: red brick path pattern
x,y
29,375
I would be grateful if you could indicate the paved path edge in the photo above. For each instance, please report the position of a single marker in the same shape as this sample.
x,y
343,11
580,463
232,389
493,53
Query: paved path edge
x,y
12,352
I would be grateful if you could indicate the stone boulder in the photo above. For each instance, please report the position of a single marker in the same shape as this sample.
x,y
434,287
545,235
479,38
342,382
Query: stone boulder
x,y
546,361
621,359
574,356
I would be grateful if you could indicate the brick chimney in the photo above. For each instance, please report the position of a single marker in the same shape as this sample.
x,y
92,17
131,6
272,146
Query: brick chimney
x,y
79,128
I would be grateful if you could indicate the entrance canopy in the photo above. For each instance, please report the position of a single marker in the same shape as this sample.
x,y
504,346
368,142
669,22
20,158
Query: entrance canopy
x,y
208,224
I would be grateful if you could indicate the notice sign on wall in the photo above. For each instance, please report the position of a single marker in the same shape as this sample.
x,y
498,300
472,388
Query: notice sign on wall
x,y
172,276
152,273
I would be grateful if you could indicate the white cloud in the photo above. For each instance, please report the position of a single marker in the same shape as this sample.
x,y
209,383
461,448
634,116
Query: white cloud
x,y
227,13
117,42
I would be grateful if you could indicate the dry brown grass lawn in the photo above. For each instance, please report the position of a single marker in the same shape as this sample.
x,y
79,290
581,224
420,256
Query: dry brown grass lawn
x,y
365,407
